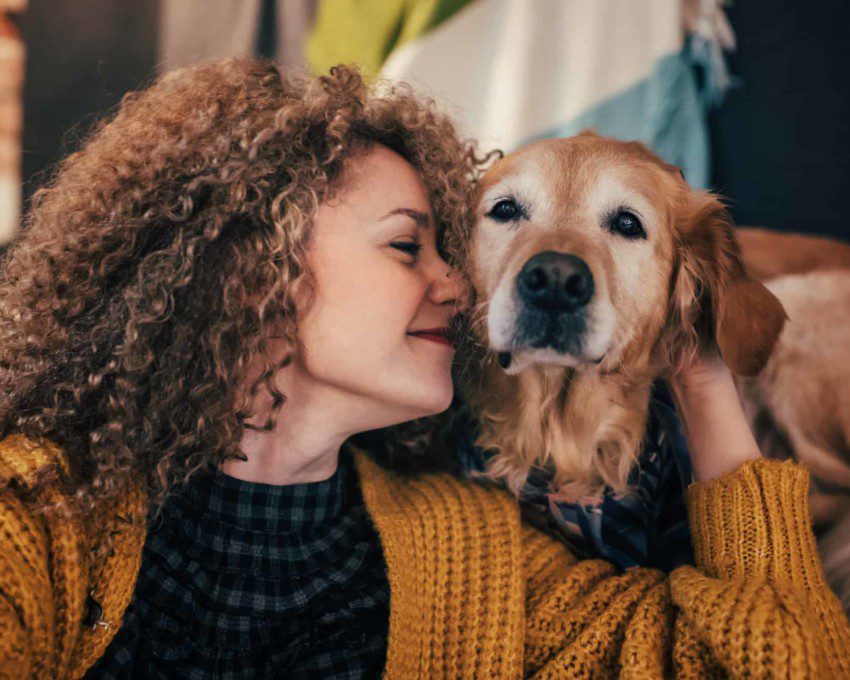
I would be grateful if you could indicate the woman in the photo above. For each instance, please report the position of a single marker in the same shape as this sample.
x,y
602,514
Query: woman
x,y
232,278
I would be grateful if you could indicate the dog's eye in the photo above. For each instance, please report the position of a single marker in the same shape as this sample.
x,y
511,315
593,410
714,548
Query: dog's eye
x,y
506,210
627,224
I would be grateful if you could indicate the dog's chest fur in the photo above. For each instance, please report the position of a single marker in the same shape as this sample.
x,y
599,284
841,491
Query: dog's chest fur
x,y
587,428
645,526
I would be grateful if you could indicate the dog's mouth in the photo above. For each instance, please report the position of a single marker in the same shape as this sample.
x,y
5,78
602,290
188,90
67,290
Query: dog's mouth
x,y
517,359
566,340
505,359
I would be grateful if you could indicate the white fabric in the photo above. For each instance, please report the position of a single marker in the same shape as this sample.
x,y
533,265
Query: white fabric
x,y
509,70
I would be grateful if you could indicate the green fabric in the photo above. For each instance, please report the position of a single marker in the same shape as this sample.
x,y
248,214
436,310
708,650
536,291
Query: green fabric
x,y
364,32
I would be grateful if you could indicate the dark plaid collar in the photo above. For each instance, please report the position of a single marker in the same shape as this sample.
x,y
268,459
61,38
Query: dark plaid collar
x,y
271,508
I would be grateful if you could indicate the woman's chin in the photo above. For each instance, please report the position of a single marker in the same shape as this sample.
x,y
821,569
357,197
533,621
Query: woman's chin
x,y
440,403
429,400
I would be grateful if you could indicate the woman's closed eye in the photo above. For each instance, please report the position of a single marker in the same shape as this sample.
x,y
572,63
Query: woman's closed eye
x,y
410,247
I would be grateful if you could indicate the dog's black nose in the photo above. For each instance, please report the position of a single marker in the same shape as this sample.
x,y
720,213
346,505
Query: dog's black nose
x,y
555,281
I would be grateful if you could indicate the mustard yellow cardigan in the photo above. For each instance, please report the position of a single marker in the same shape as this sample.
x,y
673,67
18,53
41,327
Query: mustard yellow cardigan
x,y
474,591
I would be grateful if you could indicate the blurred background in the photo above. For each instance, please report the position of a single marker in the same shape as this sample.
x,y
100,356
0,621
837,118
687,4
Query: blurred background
x,y
750,98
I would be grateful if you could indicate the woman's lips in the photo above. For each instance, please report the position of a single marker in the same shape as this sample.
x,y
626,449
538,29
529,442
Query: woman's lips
x,y
435,335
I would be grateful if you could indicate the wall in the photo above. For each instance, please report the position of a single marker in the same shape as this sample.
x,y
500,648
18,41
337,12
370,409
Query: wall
x,y
782,139
82,56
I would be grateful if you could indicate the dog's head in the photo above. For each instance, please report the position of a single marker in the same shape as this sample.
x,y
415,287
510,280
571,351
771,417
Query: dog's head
x,y
594,254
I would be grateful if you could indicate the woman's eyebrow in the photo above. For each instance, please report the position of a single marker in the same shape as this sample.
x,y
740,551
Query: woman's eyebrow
x,y
422,219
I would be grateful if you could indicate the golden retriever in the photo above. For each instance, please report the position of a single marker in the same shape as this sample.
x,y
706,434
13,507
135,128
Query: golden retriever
x,y
596,270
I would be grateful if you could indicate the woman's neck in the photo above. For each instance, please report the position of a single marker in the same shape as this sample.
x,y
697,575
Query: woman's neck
x,y
303,447
268,462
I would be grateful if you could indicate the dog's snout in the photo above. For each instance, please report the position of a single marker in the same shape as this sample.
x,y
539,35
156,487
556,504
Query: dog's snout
x,y
555,281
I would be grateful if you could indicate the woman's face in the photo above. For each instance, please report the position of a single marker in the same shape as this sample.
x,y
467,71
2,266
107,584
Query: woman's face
x,y
379,279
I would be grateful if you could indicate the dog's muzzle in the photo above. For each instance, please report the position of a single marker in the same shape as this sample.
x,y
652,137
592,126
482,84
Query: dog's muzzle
x,y
553,290
555,282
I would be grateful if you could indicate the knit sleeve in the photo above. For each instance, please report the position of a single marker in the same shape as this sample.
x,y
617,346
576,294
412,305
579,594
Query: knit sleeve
x,y
24,589
758,590
756,603
15,653
41,585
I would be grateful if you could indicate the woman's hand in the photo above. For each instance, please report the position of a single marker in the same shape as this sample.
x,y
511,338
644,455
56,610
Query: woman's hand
x,y
717,430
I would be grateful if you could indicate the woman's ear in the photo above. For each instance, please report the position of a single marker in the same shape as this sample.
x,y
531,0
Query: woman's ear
x,y
712,298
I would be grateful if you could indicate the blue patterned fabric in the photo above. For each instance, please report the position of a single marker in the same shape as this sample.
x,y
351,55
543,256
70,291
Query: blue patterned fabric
x,y
647,527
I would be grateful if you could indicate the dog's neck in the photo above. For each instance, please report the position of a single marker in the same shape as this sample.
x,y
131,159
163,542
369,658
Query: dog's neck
x,y
585,426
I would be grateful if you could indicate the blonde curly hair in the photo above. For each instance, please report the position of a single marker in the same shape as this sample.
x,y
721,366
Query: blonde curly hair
x,y
156,262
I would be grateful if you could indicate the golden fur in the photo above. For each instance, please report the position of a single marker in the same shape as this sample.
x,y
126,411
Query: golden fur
x,y
802,386
768,254
656,303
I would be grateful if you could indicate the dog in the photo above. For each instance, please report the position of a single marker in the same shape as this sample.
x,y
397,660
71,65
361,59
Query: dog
x,y
596,270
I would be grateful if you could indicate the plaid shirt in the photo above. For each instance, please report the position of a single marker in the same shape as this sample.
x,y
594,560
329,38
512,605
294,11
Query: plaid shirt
x,y
248,580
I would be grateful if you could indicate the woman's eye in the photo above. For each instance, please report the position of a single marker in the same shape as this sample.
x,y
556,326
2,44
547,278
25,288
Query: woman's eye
x,y
627,224
411,248
506,210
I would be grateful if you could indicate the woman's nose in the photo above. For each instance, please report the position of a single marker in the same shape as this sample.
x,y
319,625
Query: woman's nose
x,y
449,285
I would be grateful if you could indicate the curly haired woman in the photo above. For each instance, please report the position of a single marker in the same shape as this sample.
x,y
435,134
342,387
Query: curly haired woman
x,y
232,278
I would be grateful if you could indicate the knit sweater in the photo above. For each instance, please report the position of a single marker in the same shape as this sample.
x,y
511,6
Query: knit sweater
x,y
473,591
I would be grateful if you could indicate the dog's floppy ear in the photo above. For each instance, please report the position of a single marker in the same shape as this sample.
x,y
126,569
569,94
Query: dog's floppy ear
x,y
712,298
